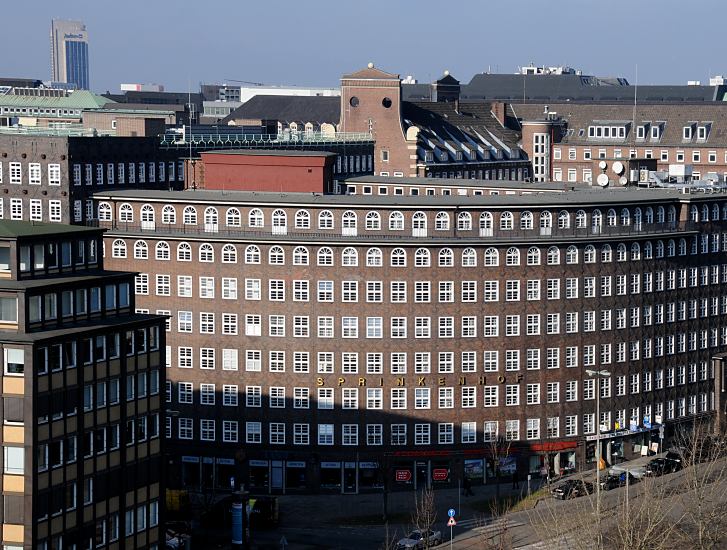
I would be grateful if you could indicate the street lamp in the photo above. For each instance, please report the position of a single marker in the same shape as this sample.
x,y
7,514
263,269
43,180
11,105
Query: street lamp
x,y
598,374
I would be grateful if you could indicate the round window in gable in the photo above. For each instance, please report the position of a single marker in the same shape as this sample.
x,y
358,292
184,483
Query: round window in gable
x,y
386,102
353,101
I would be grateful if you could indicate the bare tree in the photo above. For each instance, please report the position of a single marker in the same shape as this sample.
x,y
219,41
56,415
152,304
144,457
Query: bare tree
x,y
425,513
495,534
499,449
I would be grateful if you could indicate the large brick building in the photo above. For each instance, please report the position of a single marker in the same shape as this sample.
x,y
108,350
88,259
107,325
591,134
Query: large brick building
x,y
326,342
81,404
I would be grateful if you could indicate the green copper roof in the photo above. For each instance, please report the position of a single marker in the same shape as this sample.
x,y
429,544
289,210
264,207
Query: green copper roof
x,y
79,99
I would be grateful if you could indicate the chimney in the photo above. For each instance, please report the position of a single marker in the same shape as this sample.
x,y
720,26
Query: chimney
x,y
499,111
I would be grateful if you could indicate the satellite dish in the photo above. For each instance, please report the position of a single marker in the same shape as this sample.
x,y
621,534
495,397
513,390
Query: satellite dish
x,y
602,165
623,180
618,167
602,180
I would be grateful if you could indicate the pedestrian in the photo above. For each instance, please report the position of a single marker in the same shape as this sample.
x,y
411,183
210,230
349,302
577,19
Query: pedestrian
x,y
515,480
467,487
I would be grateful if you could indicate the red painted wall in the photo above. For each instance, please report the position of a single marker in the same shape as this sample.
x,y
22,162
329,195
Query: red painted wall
x,y
275,173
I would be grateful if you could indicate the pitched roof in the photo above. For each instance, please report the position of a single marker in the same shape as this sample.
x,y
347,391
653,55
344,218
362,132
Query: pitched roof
x,y
288,108
672,118
78,99
371,72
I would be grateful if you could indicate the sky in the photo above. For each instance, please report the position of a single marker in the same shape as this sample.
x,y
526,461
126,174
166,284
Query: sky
x,y
181,43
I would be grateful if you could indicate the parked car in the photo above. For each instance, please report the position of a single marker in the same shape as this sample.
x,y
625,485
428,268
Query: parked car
x,y
418,539
619,480
664,465
573,488
636,471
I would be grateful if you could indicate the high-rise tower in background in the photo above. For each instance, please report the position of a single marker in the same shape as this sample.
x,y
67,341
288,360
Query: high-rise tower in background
x,y
69,53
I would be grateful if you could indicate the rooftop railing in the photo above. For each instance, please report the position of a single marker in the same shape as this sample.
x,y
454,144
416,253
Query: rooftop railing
x,y
64,131
284,139
214,231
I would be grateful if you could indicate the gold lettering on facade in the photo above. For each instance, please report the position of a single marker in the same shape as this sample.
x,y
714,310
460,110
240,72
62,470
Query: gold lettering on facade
x,y
341,381
319,381
462,380
483,380
400,382
519,377
361,381
422,380
442,381
501,379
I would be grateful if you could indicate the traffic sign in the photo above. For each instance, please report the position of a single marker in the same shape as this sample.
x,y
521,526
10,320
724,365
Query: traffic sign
x,y
452,522
440,474
451,512
403,475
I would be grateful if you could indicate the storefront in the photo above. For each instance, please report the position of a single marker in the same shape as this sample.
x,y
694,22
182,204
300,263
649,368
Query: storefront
x,y
295,475
474,470
370,476
331,476
259,476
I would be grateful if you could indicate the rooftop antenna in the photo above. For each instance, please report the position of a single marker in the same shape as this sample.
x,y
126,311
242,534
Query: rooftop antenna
x,y
189,139
633,114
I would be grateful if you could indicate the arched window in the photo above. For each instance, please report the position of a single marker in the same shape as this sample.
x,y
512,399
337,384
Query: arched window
x,y
486,224
672,215
252,254
419,224
396,221
715,212
648,250
546,220
446,257
325,219
469,257
276,256
255,218
398,257
206,253
660,214
611,217
104,212
621,253
563,219
141,250
126,213
280,222
580,219
596,221
147,217
705,213
606,254
300,255
161,251
571,255
302,219
512,256
589,254
533,257
638,218
553,256
118,249
325,256
492,257
635,252
422,258
671,248
169,215
724,211
211,219
229,254
649,215
374,257
189,215
464,221
441,221
233,218
625,217
349,221
184,252
526,220
373,221
659,249
682,247
506,221
349,257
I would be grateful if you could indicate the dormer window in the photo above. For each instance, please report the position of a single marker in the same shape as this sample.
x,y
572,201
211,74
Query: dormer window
x,y
443,156
458,155
641,132
687,133
702,133
429,156
656,132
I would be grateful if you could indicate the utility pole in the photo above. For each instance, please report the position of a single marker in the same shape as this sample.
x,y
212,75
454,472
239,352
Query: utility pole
x,y
598,374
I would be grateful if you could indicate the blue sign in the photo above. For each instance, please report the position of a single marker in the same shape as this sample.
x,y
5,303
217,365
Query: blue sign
x,y
647,422
451,512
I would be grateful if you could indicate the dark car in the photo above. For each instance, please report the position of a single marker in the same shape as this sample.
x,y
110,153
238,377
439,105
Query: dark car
x,y
664,465
618,480
573,488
